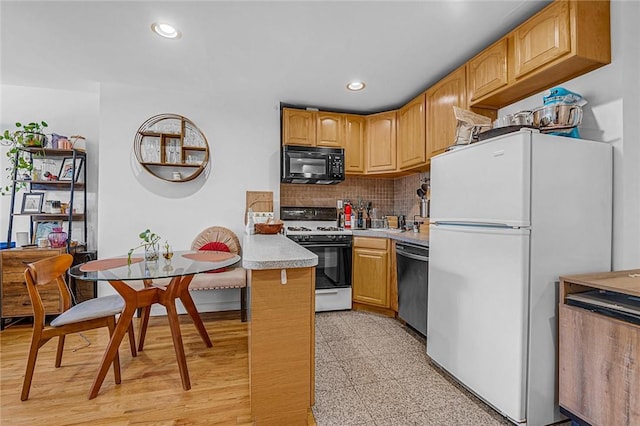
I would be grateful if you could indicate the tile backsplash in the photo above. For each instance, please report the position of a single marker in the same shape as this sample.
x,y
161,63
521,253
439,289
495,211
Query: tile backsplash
x,y
390,196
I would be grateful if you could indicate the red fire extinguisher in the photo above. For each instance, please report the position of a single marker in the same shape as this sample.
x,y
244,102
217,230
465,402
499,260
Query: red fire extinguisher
x,y
347,216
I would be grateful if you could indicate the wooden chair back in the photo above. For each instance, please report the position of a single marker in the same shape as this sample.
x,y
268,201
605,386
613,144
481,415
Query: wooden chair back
x,y
44,272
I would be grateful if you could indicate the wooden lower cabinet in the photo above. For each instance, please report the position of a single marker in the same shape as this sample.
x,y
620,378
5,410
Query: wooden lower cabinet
x,y
15,298
599,356
371,276
282,345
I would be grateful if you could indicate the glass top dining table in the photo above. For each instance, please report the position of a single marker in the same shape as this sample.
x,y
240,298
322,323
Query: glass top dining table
x,y
164,281
180,264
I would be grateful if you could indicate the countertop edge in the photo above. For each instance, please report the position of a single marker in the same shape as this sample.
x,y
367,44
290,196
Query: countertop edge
x,y
261,251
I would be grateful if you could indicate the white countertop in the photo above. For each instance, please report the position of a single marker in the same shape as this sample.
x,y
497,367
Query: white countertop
x,y
260,251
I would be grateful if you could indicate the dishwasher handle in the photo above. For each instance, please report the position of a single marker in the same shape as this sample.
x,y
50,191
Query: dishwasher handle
x,y
411,255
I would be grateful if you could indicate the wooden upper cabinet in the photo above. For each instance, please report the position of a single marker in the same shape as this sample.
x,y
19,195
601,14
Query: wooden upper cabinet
x,y
298,127
412,151
329,129
354,140
542,39
381,142
566,39
487,71
440,100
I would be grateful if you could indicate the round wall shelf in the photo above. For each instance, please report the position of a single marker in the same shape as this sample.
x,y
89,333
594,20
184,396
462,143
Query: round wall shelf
x,y
172,148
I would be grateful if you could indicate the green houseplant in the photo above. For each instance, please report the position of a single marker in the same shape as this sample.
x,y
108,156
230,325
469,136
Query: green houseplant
x,y
149,240
29,135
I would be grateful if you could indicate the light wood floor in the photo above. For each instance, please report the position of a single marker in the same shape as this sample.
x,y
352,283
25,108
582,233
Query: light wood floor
x,y
150,392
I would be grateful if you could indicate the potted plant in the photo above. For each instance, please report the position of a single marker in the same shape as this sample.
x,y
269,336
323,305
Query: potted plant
x,y
150,244
29,135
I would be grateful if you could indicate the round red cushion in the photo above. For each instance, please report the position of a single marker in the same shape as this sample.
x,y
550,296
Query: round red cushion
x,y
216,246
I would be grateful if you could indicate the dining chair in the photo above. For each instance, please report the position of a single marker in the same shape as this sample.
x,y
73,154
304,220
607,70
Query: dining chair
x,y
93,313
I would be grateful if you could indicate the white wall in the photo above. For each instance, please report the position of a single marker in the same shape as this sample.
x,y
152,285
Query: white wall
x,y
243,136
67,113
613,116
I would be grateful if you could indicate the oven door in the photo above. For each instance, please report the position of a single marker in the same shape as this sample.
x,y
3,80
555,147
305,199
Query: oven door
x,y
334,264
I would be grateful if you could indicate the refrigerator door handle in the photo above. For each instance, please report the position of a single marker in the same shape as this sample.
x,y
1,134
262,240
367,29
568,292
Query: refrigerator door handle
x,y
478,224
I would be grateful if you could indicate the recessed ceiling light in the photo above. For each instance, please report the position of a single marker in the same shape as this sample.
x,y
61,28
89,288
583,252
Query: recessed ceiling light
x,y
356,85
165,30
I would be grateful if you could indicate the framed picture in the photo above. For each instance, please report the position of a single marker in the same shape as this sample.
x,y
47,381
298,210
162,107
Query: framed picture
x,y
66,169
32,202
42,229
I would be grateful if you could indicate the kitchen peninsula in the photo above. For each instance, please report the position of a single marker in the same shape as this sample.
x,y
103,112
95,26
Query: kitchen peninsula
x,y
281,297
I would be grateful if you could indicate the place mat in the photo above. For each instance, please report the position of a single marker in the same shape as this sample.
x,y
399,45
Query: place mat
x,y
209,256
103,264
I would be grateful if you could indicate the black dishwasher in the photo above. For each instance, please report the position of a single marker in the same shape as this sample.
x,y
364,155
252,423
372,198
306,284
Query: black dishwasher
x,y
413,278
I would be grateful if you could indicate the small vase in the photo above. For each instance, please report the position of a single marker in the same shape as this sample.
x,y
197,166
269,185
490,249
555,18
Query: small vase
x,y
57,238
151,252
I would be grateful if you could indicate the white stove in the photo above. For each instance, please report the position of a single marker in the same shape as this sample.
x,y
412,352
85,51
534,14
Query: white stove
x,y
315,229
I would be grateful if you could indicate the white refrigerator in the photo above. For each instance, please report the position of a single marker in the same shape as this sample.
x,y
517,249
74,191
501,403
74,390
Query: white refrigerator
x,y
509,215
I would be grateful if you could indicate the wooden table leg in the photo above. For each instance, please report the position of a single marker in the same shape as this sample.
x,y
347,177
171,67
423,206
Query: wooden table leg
x,y
133,300
142,329
144,319
190,306
174,324
112,349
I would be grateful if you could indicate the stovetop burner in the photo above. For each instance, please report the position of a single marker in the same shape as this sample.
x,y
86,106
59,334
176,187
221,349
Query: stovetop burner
x,y
298,228
329,228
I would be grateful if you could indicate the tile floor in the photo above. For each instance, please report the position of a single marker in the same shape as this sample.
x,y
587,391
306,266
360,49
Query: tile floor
x,y
370,370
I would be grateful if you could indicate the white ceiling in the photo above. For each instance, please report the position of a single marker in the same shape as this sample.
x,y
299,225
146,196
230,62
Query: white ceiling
x,y
301,52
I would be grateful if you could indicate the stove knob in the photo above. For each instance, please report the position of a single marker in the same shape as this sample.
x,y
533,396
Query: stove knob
x,y
305,238
331,237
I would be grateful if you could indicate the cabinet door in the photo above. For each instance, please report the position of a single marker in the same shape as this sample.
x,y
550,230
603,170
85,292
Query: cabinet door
x,y
542,39
487,71
411,139
329,129
15,297
298,127
589,369
381,142
441,98
354,128
370,273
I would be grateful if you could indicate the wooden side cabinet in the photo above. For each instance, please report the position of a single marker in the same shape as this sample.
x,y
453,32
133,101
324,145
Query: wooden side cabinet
x,y
15,298
282,345
371,275
599,355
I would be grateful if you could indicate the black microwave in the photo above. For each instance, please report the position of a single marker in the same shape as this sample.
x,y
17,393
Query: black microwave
x,y
308,164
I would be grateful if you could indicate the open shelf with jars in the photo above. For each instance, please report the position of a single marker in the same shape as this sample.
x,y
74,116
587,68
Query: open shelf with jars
x,y
172,148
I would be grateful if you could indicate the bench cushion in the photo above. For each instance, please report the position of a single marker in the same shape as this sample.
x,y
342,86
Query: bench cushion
x,y
231,278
